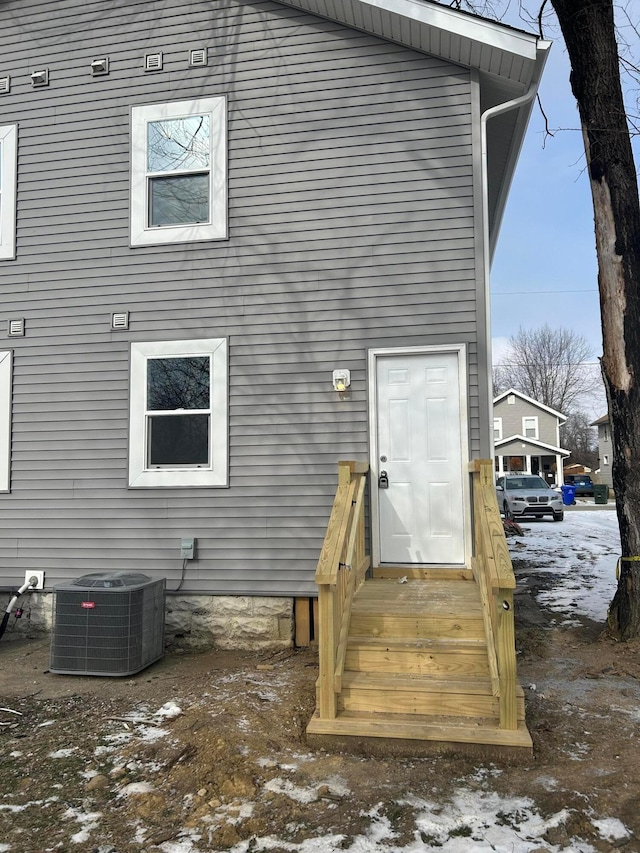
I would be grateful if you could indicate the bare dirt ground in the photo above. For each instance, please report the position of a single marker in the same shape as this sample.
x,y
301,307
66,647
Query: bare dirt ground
x,y
112,766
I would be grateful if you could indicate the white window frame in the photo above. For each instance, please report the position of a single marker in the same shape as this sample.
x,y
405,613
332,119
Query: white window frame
x,y
497,428
142,234
6,373
217,472
533,418
8,174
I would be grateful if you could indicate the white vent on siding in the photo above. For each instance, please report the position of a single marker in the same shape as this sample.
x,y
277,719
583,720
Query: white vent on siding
x,y
198,57
153,62
5,85
40,78
100,67
120,320
16,328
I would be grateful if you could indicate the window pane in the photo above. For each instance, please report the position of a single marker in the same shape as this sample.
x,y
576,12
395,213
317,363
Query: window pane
x,y
179,440
182,200
178,383
176,145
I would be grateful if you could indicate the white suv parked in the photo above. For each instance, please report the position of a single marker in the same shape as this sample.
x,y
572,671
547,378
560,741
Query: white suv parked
x,y
528,494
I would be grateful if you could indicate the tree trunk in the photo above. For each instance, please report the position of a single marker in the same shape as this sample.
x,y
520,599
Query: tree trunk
x,y
589,33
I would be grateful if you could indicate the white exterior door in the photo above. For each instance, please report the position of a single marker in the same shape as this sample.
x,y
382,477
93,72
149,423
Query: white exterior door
x,y
419,446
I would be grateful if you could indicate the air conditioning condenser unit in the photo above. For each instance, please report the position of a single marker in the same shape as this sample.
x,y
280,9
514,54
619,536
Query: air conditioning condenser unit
x,y
107,623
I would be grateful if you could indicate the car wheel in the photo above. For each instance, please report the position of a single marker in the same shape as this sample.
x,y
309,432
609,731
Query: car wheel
x,y
507,512
558,516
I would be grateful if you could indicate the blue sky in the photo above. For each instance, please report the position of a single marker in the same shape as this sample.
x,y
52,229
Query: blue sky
x,y
545,268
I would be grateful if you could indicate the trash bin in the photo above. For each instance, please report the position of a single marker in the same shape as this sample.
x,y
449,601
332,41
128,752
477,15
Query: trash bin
x,y
601,493
568,495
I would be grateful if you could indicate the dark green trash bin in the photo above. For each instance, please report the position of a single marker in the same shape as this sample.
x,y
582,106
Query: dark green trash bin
x,y
601,493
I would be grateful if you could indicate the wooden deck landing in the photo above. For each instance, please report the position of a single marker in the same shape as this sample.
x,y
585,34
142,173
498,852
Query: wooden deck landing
x,y
417,664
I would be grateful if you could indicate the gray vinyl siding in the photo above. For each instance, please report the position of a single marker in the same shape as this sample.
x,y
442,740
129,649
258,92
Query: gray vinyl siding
x,y
351,225
513,414
605,451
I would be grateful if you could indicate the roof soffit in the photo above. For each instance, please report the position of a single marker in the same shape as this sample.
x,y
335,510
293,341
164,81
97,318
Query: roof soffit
x,y
504,53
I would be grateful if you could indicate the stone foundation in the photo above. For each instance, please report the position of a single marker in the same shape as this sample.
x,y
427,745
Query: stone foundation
x,y
36,618
191,621
228,622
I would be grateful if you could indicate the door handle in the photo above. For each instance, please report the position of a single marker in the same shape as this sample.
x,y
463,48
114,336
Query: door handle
x,y
383,480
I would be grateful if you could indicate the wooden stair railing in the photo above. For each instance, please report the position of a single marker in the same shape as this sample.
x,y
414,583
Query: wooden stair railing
x,y
493,572
340,571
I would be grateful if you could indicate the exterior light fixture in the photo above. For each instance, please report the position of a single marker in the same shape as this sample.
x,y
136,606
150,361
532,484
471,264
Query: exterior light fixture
x,y
341,380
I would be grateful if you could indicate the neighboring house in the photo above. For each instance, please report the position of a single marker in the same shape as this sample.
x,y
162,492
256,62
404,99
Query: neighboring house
x,y
605,451
526,437
242,241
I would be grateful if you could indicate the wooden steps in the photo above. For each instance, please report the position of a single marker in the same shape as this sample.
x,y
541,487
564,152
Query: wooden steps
x,y
416,665
397,726
401,694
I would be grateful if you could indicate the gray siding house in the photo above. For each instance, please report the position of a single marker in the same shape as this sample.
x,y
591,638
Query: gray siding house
x,y
241,241
526,437
605,451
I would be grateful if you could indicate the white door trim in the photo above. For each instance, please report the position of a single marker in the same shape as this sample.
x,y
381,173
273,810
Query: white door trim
x,y
373,354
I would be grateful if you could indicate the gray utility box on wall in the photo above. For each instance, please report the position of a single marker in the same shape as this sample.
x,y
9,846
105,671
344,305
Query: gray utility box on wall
x,y
108,623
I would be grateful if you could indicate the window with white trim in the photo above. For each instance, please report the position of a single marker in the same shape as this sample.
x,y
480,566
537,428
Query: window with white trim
x,y
178,414
8,161
497,429
530,427
6,359
179,172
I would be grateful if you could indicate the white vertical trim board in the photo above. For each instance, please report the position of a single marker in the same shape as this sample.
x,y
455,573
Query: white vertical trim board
x,y
8,176
6,362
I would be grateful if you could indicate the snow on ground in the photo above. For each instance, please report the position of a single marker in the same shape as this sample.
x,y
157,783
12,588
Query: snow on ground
x,y
472,822
578,557
581,552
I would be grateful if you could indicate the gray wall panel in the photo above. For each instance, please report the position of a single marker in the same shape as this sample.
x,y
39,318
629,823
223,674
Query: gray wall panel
x,y
351,225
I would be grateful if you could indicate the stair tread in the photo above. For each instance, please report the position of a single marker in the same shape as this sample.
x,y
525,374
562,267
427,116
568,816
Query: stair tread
x,y
409,681
454,644
459,598
478,730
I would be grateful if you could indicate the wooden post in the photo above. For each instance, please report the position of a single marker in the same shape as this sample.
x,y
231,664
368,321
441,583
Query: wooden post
x,y
302,619
507,658
327,701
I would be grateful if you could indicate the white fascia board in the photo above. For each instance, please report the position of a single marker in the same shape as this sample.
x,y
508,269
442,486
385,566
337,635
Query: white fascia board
x,y
529,400
446,19
533,442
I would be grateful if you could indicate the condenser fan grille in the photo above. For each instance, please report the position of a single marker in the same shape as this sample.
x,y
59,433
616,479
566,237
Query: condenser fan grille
x,y
112,631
